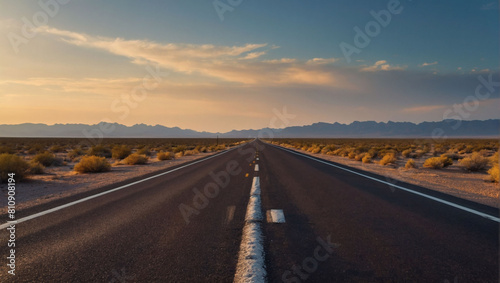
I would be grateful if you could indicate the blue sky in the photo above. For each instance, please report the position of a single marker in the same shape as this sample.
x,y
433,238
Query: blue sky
x,y
264,55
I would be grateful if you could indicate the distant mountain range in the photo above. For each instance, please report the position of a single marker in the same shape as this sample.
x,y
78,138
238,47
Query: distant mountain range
x,y
367,129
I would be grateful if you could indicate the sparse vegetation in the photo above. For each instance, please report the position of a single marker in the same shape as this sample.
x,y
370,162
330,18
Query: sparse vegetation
x,y
144,151
190,152
389,158
74,153
92,164
100,150
135,159
438,162
120,151
410,164
6,149
476,162
36,168
165,155
367,158
494,172
56,148
47,159
11,163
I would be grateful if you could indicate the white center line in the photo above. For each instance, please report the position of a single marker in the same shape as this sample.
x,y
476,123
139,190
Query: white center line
x,y
256,167
230,214
255,186
275,216
251,260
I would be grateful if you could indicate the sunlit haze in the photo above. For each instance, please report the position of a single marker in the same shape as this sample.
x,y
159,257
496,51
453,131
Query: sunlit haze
x,y
207,67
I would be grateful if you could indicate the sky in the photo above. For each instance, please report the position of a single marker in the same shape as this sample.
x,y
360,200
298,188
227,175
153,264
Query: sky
x,y
240,64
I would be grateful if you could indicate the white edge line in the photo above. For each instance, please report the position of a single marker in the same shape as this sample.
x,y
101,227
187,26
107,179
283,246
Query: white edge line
x,y
401,188
36,215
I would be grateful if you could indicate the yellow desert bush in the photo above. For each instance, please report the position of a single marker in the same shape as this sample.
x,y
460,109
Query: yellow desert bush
x,y
144,151
476,162
36,168
438,162
120,151
359,157
410,164
494,172
406,153
191,152
135,159
47,159
389,158
92,164
162,155
367,158
11,163
100,150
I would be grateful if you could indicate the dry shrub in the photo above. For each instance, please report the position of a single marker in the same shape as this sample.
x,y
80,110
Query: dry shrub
x,y
120,151
476,162
389,158
144,151
135,159
410,164
11,163
314,149
36,168
447,161
56,148
328,148
438,162
100,150
359,157
494,173
162,155
182,148
6,149
74,153
191,152
433,163
179,154
419,153
35,149
406,153
351,155
92,164
47,159
367,158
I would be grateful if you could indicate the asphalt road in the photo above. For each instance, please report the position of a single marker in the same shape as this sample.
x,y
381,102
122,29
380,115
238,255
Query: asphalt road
x,y
186,226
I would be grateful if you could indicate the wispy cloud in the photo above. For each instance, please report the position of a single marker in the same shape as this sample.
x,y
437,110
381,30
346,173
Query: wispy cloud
x,y
423,109
226,63
428,64
381,65
490,6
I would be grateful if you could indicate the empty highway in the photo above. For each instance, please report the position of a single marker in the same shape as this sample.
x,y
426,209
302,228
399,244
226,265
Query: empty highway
x,y
187,224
